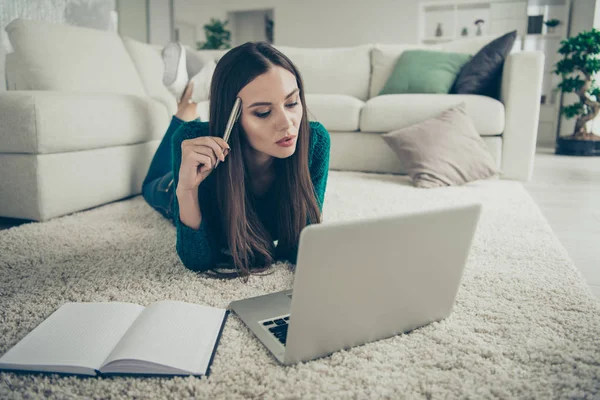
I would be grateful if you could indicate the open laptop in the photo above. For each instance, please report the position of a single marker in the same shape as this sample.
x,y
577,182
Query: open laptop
x,y
364,280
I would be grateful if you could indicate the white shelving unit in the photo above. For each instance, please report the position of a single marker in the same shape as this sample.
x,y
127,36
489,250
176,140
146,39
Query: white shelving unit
x,y
549,43
502,16
452,16
499,17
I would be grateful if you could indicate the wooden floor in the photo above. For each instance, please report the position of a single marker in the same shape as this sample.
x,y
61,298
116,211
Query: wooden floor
x,y
567,190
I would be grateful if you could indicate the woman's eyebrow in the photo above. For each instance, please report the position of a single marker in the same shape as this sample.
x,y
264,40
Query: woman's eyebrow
x,y
264,103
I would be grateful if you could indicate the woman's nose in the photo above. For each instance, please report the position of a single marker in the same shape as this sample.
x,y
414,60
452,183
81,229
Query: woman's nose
x,y
284,121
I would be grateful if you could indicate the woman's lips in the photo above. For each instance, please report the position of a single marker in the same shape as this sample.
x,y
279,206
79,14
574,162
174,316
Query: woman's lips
x,y
287,142
285,139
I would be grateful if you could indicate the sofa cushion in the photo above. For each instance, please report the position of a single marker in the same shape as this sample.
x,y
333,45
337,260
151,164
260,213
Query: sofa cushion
x,y
395,111
150,67
444,150
50,58
384,56
364,151
335,112
425,71
383,60
11,69
56,122
202,81
483,73
338,70
203,111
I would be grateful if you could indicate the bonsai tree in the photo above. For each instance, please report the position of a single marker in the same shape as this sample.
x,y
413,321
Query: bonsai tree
x,y
580,59
217,37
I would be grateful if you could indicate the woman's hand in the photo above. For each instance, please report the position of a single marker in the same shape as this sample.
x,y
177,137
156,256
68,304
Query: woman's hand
x,y
187,110
198,157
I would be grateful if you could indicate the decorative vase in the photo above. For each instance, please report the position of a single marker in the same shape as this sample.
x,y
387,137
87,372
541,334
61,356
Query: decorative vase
x,y
464,32
551,29
478,33
438,30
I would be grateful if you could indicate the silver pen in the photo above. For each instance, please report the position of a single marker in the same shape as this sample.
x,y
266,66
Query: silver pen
x,y
233,117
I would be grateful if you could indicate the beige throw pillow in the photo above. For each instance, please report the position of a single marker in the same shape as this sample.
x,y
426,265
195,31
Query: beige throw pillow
x,y
442,151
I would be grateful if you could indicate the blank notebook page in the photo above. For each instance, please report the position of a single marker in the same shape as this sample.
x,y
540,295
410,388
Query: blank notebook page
x,y
172,333
77,334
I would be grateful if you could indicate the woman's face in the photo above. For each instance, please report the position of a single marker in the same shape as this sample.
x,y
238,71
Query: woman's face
x,y
271,110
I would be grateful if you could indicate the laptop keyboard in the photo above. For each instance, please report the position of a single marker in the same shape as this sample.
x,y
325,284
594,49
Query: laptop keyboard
x,y
278,327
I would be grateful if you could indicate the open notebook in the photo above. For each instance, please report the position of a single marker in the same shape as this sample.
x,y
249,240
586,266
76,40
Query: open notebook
x,y
165,338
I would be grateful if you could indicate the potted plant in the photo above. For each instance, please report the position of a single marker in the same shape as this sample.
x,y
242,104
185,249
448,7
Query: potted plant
x,y
580,58
552,24
217,37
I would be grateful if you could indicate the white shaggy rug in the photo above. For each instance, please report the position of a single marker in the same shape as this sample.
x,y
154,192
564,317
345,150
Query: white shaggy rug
x,y
525,325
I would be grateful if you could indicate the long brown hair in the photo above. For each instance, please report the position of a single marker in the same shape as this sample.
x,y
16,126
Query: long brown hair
x,y
251,245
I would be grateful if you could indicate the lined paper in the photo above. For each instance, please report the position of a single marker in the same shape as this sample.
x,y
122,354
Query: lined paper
x,y
172,333
77,334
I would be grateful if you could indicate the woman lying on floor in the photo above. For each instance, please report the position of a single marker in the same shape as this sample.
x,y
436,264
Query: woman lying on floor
x,y
248,212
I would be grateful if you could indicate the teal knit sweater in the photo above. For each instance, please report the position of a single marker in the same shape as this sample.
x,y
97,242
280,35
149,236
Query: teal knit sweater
x,y
201,249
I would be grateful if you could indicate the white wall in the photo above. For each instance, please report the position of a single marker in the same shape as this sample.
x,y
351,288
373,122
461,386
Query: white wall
x,y
249,25
317,23
133,19
187,32
160,21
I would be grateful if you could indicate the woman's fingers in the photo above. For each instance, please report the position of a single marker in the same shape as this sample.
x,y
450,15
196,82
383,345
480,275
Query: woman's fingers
x,y
201,162
217,144
206,152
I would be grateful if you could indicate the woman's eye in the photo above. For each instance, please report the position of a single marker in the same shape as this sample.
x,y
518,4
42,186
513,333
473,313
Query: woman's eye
x,y
266,114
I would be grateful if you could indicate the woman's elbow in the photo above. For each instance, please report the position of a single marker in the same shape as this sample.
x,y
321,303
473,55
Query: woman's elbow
x,y
193,263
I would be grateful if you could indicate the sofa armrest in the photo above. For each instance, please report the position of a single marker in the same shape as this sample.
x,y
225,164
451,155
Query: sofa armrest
x,y
521,91
46,122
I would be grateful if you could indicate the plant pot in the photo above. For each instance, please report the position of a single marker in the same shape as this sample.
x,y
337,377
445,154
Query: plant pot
x,y
574,147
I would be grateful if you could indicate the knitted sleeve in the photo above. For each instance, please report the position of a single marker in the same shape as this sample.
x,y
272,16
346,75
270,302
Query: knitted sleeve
x,y
196,248
318,161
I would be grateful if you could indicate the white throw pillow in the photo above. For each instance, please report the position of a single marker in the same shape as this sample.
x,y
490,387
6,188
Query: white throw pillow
x,y
202,81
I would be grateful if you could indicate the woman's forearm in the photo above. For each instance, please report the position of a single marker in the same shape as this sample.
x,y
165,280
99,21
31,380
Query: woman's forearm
x,y
189,208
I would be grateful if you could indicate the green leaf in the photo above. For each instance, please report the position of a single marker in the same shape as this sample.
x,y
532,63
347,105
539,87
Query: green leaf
x,y
580,56
217,36
572,110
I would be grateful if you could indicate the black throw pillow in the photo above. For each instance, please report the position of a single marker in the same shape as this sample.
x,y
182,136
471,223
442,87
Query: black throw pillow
x,y
483,73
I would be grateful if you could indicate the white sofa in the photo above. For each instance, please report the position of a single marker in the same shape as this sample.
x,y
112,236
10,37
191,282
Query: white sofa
x,y
86,109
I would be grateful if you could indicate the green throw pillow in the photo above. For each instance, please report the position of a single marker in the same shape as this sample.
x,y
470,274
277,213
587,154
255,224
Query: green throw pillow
x,y
425,71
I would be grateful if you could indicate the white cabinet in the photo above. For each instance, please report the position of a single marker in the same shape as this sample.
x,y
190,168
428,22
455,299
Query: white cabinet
x,y
455,16
549,43
507,16
451,17
509,9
